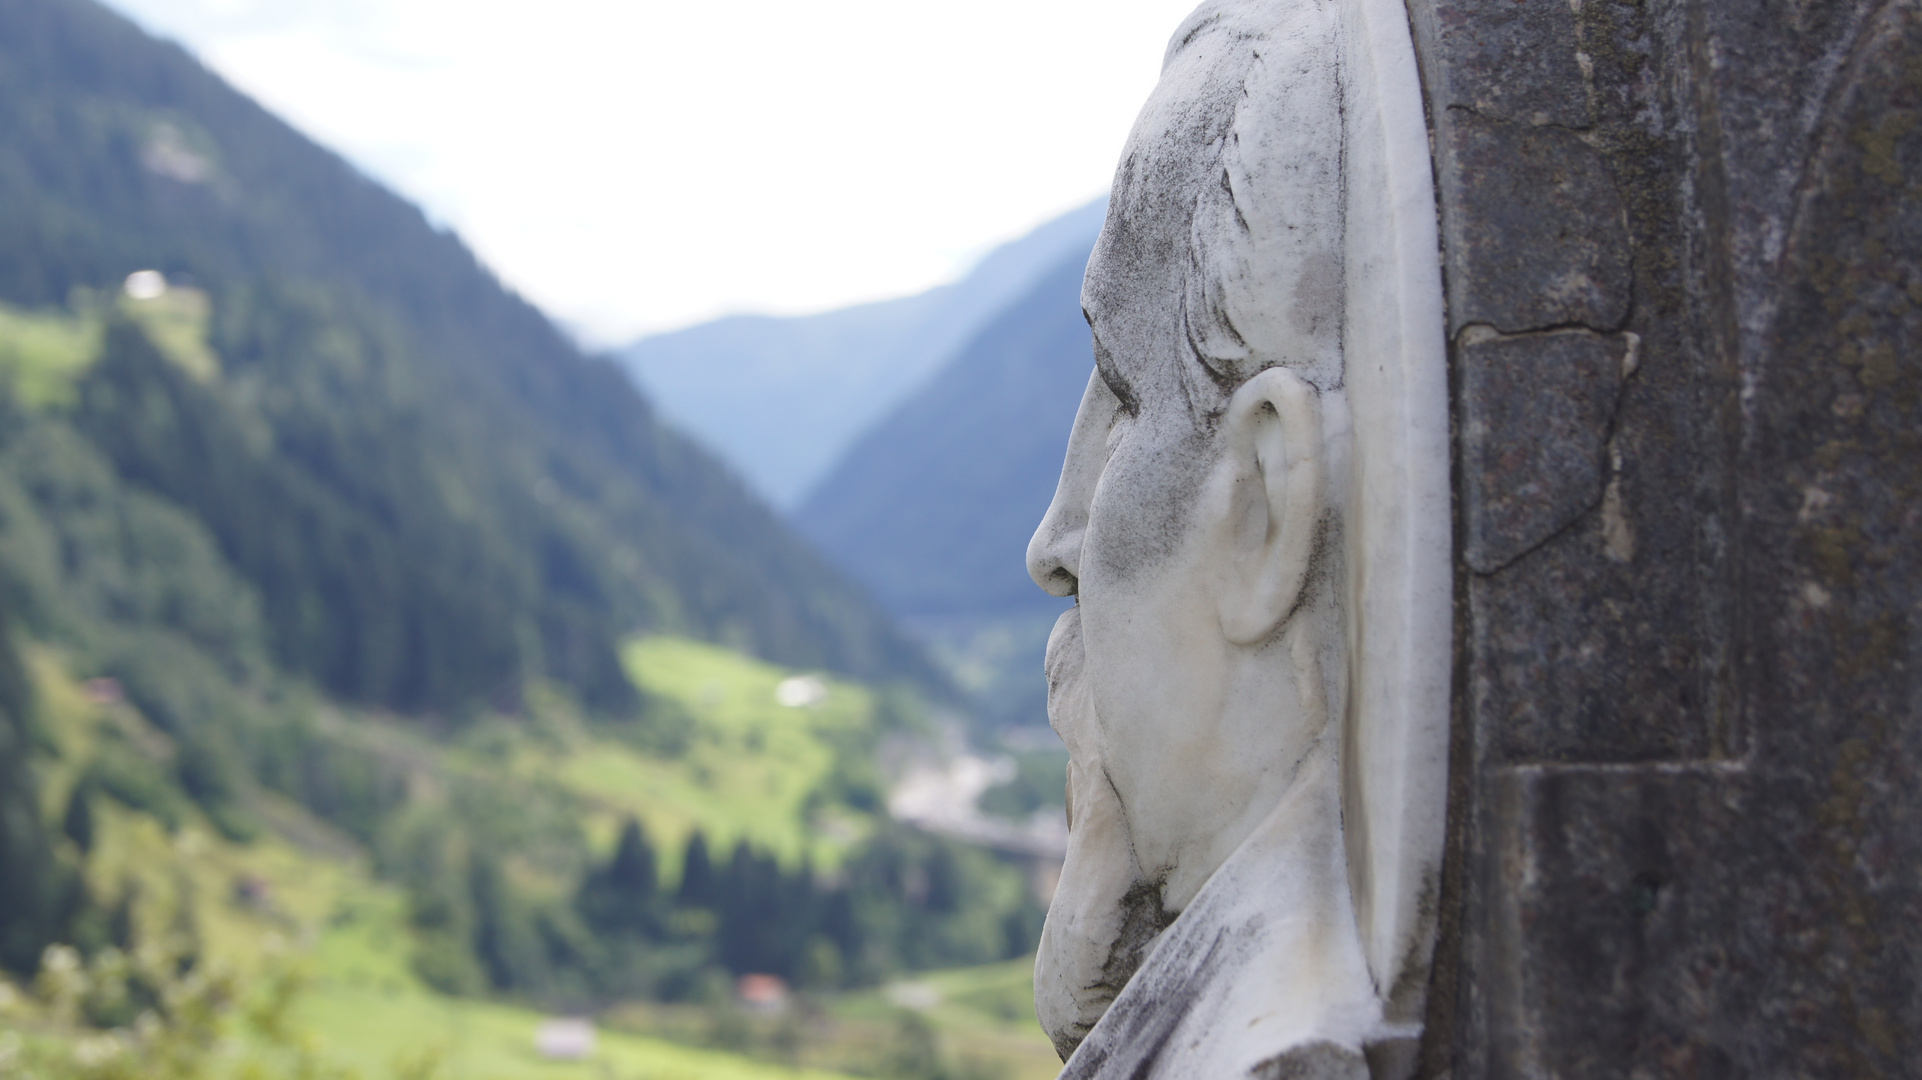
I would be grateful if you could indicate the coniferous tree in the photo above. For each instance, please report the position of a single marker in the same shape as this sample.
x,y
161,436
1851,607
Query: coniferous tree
x,y
120,921
734,903
632,870
27,870
506,941
621,896
766,916
840,924
799,917
77,823
697,875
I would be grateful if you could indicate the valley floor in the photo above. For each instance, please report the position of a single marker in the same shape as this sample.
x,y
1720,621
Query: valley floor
x,y
301,900
368,1012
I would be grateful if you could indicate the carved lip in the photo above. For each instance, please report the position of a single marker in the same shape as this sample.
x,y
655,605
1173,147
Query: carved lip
x,y
1064,646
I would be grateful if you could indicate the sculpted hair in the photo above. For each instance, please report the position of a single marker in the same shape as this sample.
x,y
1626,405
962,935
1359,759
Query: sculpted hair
x,y
1265,281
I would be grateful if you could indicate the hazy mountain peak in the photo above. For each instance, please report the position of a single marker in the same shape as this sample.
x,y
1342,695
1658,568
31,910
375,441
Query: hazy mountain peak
x,y
781,399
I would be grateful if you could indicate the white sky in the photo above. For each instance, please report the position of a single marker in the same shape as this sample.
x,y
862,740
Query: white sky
x,y
634,166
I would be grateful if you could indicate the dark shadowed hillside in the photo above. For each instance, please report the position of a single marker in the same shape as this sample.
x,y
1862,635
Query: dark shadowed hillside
x,y
933,508
433,495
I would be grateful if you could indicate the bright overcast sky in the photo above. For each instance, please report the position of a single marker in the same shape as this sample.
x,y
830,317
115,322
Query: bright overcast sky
x,y
633,166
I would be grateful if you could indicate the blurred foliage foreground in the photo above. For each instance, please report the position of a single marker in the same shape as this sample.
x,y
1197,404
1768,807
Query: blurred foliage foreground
x,y
153,1014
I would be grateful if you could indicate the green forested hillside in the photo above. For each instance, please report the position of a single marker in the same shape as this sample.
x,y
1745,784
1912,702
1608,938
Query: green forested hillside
x,y
507,874
434,496
552,855
326,560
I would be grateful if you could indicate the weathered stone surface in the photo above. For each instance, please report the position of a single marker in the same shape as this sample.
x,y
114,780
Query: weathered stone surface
x,y
1515,61
1568,671
1685,801
1831,483
1535,413
1534,234
1686,811
1618,965
1713,921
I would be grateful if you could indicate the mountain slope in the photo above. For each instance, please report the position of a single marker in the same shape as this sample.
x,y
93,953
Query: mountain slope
x,y
782,399
434,496
326,535
933,508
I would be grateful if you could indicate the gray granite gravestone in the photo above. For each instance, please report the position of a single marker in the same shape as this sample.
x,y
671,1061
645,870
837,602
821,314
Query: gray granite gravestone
x,y
1682,255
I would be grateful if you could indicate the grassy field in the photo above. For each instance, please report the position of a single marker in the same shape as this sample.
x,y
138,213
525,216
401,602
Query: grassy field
x,y
44,353
752,763
982,1013
362,1011
367,1012
304,892
748,770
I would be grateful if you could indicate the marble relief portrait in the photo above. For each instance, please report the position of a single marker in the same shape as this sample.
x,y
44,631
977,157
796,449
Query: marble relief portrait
x,y
1253,520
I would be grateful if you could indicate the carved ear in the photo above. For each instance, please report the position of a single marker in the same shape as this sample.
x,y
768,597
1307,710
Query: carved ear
x,y
1273,430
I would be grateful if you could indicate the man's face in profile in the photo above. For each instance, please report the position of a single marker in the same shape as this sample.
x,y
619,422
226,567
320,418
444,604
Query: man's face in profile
x,y
1164,499
1213,521
1122,540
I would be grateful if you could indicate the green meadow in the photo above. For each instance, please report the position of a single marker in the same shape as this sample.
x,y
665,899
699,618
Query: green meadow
x,y
303,897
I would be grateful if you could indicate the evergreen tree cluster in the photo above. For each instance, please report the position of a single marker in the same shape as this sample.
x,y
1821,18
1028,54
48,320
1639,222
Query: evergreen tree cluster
x,y
904,900
29,877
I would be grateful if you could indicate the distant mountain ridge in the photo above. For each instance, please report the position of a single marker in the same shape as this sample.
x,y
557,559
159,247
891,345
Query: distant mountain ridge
x,y
783,399
932,509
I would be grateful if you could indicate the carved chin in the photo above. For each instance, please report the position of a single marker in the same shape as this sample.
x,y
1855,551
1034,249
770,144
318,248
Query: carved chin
x,y
1104,916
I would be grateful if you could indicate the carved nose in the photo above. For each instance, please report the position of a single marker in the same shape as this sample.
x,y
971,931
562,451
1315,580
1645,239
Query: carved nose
x,y
1055,579
1054,555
